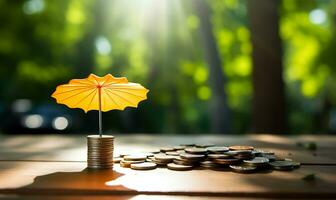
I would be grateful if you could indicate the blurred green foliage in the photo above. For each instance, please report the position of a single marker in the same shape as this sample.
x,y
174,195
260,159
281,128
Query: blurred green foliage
x,y
156,43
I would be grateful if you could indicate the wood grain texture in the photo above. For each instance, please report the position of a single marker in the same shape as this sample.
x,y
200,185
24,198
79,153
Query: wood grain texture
x,y
62,169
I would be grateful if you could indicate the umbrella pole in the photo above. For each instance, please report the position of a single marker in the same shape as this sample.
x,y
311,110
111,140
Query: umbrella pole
x,y
100,113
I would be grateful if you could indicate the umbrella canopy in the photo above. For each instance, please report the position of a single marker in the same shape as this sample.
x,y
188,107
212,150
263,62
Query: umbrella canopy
x,y
100,93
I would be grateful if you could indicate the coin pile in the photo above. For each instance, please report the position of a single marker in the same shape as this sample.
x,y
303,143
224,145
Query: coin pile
x,y
238,158
100,151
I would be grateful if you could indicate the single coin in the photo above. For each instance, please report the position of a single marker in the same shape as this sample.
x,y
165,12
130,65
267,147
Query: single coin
x,y
295,163
135,157
230,153
117,159
217,149
172,153
127,163
243,168
144,166
195,150
257,161
260,152
100,137
164,157
282,165
179,147
240,147
177,167
180,151
158,162
188,156
218,156
204,145
166,149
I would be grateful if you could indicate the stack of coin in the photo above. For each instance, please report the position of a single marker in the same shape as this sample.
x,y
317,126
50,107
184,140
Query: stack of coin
x,y
238,158
100,151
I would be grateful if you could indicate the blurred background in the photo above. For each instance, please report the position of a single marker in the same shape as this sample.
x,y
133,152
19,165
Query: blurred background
x,y
212,66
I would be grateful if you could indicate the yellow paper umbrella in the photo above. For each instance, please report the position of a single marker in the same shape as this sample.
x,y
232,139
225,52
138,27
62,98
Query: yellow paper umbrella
x,y
100,93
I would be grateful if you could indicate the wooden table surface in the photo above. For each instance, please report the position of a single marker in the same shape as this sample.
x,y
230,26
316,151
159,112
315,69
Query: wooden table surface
x,y
54,167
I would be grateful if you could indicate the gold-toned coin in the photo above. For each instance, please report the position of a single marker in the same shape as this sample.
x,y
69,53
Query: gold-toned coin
x,y
241,147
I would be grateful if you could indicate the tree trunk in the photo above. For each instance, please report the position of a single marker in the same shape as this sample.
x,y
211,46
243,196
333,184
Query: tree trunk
x,y
269,101
219,110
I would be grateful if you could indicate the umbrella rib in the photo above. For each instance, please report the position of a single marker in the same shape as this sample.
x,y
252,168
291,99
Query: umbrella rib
x,y
95,80
128,88
118,82
112,99
125,92
108,78
79,86
91,100
84,87
120,97
84,97
80,82
75,94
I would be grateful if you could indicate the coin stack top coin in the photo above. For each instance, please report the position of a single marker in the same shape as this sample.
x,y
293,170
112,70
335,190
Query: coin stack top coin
x,y
100,151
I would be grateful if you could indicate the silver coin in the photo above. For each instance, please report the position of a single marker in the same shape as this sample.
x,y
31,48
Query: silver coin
x,y
243,168
172,153
204,145
257,161
117,159
163,157
188,156
144,166
217,149
165,149
179,147
282,165
173,166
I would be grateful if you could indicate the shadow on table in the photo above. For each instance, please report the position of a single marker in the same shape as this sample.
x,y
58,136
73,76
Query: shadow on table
x,y
86,182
